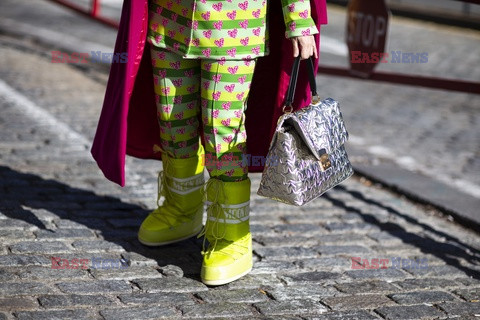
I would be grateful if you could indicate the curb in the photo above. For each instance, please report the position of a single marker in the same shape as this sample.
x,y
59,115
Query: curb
x,y
462,207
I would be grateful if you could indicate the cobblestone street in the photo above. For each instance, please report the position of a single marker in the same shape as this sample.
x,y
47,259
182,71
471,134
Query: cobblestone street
x,y
55,205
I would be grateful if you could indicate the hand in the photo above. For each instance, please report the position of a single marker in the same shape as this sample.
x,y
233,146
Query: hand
x,y
305,46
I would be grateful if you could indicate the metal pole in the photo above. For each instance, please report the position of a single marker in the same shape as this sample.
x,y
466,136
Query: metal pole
x,y
84,12
95,8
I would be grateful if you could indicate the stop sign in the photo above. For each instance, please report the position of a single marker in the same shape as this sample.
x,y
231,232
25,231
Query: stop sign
x,y
367,25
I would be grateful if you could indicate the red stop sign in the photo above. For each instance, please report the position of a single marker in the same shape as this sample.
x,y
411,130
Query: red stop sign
x,y
367,26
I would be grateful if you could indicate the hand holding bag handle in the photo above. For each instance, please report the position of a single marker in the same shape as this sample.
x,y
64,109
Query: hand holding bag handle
x,y
308,146
288,107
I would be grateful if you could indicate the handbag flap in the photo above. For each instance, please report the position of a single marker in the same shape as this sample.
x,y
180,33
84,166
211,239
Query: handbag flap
x,y
320,126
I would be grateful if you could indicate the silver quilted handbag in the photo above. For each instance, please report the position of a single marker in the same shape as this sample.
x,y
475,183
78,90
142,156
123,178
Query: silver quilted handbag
x,y
307,155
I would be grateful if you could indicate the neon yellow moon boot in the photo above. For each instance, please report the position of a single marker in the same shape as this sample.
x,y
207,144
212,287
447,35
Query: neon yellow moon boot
x,y
179,217
229,254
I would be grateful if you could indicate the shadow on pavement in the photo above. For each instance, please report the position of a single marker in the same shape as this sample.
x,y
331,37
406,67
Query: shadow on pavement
x,y
37,201
27,196
450,251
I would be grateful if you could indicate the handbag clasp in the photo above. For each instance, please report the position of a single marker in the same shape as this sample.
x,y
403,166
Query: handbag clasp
x,y
325,162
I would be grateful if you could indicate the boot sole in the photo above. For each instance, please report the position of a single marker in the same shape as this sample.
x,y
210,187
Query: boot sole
x,y
225,281
159,244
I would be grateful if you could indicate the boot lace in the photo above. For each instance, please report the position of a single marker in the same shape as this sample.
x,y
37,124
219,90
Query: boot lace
x,y
216,213
166,216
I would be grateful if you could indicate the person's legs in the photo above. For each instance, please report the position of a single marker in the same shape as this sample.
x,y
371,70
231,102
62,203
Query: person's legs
x,y
225,88
181,182
177,84
224,91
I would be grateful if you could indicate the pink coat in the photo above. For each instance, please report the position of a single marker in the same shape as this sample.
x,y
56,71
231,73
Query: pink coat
x,y
128,122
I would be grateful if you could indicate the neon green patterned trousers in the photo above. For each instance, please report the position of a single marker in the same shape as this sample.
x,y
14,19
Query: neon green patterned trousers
x,y
218,90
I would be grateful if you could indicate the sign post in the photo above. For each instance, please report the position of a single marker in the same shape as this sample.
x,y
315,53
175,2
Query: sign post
x,y
367,27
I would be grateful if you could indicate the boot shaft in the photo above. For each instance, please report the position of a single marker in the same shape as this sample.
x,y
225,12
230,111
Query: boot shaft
x,y
228,209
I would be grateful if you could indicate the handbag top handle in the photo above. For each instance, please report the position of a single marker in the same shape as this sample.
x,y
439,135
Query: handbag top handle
x,y
288,107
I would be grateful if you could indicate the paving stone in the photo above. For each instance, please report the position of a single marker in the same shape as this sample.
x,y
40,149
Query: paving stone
x,y
23,288
299,228
56,205
385,274
420,311
278,318
425,283
347,250
130,273
162,298
137,259
371,286
140,313
285,252
44,214
54,301
286,241
308,217
460,308
88,260
468,282
170,285
7,275
398,250
469,317
97,246
311,291
81,223
292,307
470,294
355,302
255,281
351,227
445,271
344,315
220,309
420,257
18,303
309,277
42,273
39,247
421,297
392,236
13,224
233,296
126,223
345,239
109,204
273,266
171,270
55,315
16,234
324,264
262,229
99,286
64,234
